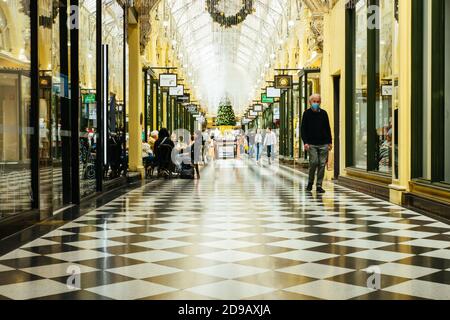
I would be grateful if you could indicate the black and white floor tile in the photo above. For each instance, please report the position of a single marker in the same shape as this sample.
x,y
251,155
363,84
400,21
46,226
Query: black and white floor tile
x,y
241,232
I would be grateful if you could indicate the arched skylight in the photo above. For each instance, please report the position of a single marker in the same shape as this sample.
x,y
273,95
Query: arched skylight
x,y
112,16
226,61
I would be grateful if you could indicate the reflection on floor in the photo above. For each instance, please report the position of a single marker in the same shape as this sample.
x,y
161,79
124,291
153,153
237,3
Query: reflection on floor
x,y
241,232
15,190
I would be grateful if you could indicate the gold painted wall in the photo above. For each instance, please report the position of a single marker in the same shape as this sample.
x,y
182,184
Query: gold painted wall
x,y
333,63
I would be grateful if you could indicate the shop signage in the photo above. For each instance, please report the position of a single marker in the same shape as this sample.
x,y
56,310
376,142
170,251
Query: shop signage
x,y
167,80
265,99
186,98
283,82
387,90
45,82
273,92
200,119
92,112
258,107
176,91
191,108
276,113
253,113
89,98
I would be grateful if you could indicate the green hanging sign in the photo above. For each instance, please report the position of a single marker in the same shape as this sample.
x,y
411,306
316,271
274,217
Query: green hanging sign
x,y
265,99
89,98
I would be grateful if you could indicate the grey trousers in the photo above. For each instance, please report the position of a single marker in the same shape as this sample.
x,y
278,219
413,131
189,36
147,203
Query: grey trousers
x,y
318,156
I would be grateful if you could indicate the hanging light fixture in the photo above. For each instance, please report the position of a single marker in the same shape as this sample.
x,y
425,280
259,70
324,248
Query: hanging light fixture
x,y
229,21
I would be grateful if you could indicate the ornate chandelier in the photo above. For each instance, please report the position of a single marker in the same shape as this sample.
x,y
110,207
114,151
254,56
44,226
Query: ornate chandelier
x,y
229,21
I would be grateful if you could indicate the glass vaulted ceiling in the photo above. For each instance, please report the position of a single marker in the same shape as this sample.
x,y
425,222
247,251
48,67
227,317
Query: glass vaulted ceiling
x,y
226,62
112,16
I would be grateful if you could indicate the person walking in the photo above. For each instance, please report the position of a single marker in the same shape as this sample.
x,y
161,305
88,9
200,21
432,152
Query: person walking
x,y
270,141
316,136
251,143
205,138
258,142
196,151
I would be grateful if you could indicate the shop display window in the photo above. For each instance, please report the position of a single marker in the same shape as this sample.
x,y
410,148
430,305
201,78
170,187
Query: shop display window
x,y
360,91
385,90
15,105
430,109
447,95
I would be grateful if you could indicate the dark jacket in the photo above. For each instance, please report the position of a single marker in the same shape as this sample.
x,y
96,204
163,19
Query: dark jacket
x,y
163,152
316,128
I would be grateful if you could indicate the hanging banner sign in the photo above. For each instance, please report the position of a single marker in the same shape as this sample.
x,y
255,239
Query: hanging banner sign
x,y
176,91
186,98
265,99
191,108
89,98
273,92
284,82
387,90
258,107
167,80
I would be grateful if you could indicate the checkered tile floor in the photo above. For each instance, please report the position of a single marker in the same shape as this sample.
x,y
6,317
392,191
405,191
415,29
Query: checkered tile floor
x,y
241,232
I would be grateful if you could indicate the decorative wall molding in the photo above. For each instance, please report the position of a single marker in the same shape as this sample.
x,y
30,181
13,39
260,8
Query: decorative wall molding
x,y
144,9
315,36
318,9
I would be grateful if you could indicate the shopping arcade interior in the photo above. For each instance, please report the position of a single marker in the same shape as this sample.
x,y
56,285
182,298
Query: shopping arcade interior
x,y
32,177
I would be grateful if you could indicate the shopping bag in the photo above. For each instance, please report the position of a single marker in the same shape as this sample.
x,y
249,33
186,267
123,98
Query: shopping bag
x,y
330,161
187,171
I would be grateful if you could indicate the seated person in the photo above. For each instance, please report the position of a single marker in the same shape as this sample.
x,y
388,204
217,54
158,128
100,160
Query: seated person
x,y
147,154
180,146
163,150
152,139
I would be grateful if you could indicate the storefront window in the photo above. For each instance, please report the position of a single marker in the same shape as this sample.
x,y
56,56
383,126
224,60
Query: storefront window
x,y
395,91
297,117
15,91
447,92
426,109
46,133
154,104
383,114
431,92
58,94
112,30
360,107
88,105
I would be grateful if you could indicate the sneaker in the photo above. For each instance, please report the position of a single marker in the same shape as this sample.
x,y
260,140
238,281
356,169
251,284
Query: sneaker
x,y
320,190
309,187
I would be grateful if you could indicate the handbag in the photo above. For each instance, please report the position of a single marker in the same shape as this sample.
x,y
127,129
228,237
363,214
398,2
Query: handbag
x,y
187,171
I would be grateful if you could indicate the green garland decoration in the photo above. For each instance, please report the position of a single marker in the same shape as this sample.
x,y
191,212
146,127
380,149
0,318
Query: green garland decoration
x,y
229,21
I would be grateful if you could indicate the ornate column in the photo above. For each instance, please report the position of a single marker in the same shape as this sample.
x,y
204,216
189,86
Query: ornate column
x,y
135,107
401,185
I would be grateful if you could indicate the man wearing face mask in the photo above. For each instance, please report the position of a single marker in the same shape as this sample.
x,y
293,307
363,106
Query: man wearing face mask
x,y
316,136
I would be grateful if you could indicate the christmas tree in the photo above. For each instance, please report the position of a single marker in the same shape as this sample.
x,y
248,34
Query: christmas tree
x,y
225,114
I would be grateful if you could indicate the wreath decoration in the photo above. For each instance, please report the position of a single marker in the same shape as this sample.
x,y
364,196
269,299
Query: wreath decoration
x,y
229,21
